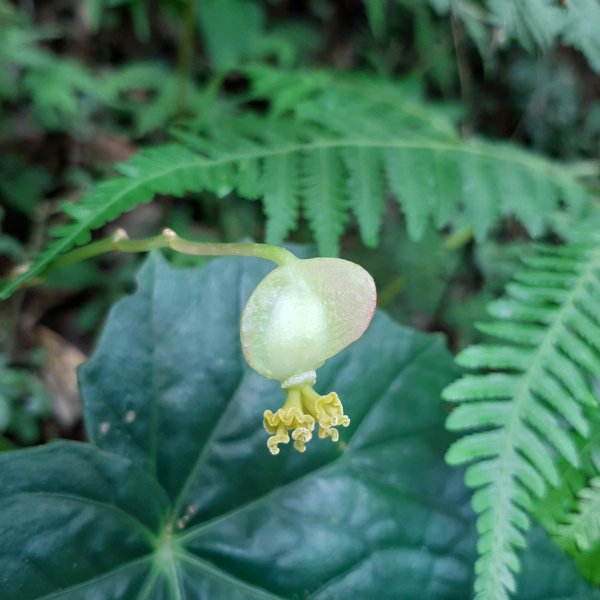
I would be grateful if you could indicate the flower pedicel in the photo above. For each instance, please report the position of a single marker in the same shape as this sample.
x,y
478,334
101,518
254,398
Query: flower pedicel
x,y
302,313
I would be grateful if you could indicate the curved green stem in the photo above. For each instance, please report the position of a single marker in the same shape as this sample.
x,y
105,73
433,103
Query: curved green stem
x,y
169,239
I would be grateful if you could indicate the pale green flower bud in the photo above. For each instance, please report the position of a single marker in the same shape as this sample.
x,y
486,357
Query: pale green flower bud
x,y
299,315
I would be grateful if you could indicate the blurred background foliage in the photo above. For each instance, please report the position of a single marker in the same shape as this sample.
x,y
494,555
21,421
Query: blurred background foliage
x,y
84,85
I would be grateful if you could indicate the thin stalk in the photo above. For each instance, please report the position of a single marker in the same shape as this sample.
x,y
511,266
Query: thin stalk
x,y
184,58
464,74
583,168
169,239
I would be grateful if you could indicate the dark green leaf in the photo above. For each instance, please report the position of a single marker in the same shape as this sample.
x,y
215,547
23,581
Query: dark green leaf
x,y
183,500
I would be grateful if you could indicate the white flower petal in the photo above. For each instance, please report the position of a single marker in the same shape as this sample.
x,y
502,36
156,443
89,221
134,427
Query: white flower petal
x,y
303,313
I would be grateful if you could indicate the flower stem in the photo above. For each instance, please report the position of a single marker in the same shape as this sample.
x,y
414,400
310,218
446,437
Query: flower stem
x,y
169,239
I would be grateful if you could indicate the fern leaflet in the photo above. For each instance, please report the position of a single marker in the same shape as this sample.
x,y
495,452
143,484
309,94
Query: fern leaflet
x,y
584,524
535,24
281,195
538,23
524,410
366,193
324,200
560,505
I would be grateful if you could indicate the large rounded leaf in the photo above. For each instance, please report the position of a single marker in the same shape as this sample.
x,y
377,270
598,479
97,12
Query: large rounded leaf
x,y
179,498
73,516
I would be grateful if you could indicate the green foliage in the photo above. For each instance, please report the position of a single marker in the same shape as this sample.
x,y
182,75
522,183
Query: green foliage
x,y
534,24
180,474
543,576
333,145
95,10
536,391
177,495
232,31
21,189
150,94
584,525
556,115
376,14
177,471
22,186
59,90
560,505
23,403
538,23
63,94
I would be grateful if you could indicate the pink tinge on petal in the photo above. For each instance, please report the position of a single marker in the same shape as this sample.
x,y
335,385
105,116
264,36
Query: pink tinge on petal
x,y
348,294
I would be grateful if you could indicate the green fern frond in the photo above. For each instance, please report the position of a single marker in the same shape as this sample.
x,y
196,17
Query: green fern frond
x,y
340,101
584,524
156,102
537,23
581,30
165,169
560,504
337,151
524,410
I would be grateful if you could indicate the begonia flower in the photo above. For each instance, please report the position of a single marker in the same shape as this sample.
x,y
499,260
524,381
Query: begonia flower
x,y
302,313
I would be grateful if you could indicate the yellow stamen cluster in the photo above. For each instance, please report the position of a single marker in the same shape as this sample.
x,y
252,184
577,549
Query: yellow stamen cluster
x,y
303,408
